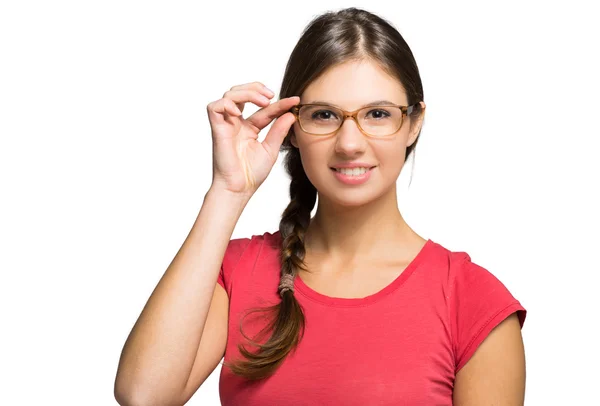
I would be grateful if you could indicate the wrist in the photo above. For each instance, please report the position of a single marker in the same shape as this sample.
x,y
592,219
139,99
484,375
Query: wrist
x,y
225,198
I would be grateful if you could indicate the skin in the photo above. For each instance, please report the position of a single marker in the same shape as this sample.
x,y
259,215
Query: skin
x,y
356,226
359,228
495,374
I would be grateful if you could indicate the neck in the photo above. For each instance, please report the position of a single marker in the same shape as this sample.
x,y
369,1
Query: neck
x,y
352,232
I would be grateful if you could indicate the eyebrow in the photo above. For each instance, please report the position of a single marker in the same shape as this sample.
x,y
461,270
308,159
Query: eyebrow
x,y
374,103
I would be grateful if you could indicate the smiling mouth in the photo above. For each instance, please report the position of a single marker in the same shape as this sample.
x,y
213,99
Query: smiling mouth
x,y
368,167
353,171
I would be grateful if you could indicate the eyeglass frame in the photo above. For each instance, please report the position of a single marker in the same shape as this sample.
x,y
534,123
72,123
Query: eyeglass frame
x,y
406,111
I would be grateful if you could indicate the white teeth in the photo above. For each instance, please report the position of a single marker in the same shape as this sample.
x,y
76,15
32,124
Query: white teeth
x,y
352,171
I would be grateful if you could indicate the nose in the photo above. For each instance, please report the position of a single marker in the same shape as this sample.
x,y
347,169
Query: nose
x,y
350,140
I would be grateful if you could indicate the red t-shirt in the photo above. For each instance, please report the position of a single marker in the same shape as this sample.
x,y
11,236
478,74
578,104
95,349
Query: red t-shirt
x,y
400,346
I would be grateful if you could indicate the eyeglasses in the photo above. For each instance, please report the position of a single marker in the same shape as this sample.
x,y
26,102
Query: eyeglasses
x,y
375,121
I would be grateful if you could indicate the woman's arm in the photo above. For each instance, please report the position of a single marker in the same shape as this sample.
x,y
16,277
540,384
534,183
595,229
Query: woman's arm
x,y
161,349
495,374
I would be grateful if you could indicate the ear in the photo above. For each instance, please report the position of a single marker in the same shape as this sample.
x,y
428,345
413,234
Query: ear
x,y
293,140
416,126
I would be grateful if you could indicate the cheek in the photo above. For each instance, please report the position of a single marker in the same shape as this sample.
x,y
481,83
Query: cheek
x,y
391,160
314,161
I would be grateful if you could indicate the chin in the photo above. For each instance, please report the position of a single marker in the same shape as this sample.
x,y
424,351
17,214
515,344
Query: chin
x,y
352,197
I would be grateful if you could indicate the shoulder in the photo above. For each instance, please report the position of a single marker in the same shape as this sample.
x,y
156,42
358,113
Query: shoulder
x,y
267,240
444,264
243,252
457,267
477,301
250,262
471,282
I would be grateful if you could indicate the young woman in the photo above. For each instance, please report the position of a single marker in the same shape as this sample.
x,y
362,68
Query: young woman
x,y
359,308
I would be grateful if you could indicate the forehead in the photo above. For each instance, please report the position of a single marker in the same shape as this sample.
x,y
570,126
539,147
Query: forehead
x,y
353,84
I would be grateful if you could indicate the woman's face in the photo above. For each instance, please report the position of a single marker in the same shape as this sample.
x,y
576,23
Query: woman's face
x,y
350,86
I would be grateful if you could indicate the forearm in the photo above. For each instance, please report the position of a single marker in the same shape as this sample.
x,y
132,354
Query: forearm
x,y
161,348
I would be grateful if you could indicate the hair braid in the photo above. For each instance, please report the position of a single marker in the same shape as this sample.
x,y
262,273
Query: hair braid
x,y
296,217
288,325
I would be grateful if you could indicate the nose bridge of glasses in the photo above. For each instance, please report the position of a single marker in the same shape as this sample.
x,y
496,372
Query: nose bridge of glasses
x,y
354,116
349,114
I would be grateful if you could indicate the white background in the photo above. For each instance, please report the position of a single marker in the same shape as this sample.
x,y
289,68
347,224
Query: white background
x,y
105,157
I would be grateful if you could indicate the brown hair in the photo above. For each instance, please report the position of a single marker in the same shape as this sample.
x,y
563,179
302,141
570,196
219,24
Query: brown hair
x,y
330,39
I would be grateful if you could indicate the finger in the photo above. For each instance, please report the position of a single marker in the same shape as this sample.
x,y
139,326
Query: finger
x,y
240,97
263,117
276,135
252,85
217,109
255,86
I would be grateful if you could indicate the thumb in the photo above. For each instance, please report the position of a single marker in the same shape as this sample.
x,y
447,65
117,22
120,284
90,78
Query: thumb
x,y
277,133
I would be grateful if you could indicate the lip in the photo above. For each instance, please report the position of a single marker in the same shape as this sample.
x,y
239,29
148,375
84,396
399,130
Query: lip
x,y
354,165
353,180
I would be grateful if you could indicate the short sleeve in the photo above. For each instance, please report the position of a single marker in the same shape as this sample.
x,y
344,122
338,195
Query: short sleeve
x,y
233,254
478,302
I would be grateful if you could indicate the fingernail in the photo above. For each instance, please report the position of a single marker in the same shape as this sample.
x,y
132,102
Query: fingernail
x,y
269,90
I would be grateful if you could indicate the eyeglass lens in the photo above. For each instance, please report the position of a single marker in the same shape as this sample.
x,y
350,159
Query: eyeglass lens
x,y
376,121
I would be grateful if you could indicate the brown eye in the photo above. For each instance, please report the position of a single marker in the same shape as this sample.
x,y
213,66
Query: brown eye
x,y
379,113
323,115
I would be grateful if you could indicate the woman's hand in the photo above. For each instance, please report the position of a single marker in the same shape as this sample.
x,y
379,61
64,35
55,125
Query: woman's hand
x,y
240,162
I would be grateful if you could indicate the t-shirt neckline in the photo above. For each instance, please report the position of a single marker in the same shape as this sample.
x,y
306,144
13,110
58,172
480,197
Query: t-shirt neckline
x,y
303,289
